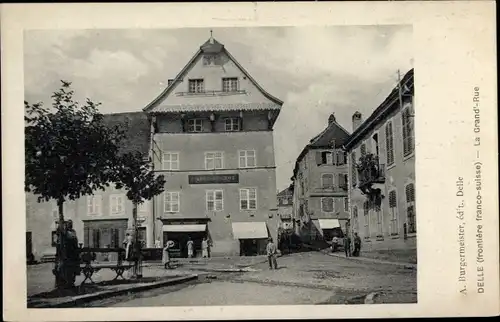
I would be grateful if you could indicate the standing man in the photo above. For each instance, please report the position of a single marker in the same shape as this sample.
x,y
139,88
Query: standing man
x,y
347,245
190,247
271,254
357,244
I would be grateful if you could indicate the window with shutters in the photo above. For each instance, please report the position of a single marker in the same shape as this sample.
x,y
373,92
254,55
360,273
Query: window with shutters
x,y
215,200
353,169
380,222
408,133
327,180
327,204
346,204
341,157
343,181
366,215
389,143
410,208
248,199
355,218
96,238
325,157
393,210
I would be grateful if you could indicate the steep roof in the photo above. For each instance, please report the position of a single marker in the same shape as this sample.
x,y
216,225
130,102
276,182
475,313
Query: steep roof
x,y
137,133
385,108
285,192
334,131
212,46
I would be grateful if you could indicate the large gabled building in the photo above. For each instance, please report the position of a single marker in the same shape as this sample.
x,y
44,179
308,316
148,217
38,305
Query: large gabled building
x,y
212,139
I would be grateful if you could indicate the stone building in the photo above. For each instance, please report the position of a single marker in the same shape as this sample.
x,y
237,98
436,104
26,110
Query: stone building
x,y
381,157
285,208
213,141
100,219
320,203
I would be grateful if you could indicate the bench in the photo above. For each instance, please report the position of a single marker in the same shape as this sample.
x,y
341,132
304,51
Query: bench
x,y
89,267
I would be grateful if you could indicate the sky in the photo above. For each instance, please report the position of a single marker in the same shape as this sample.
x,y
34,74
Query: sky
x,y
316,70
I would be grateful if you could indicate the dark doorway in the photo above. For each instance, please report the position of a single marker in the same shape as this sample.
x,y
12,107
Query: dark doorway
x,y
252,247
180,240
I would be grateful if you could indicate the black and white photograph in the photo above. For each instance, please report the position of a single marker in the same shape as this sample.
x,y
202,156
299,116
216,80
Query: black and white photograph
x,y
258,160
220,166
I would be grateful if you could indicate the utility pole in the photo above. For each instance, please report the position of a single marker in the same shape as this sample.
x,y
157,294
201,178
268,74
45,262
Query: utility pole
x,y
400,91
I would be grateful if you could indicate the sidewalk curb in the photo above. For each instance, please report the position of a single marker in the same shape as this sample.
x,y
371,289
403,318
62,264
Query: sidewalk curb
x,y
364,259
76,300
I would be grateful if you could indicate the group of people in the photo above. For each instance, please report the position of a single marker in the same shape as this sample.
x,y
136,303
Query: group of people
x,y
67,267
205,250
347,245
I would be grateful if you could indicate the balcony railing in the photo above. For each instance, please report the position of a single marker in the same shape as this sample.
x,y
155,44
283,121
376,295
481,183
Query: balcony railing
x,y
211,93
374,174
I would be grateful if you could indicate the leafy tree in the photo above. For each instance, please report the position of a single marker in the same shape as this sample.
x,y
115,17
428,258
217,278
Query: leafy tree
x,y
134,174
69,153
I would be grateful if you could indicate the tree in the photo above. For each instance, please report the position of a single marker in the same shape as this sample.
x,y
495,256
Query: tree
x,y
134,174
69,153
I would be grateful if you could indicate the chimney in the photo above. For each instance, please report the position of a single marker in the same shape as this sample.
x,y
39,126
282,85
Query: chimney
x,y
357,119
331,119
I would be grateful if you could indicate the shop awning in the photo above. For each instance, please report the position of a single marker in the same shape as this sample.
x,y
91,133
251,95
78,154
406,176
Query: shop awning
x,y
329,223
184,228
250,230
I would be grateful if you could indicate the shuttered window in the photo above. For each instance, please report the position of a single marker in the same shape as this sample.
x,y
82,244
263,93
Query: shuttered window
x,y
327,204
393,212
366,214
408,141
389,143
353,169
410,208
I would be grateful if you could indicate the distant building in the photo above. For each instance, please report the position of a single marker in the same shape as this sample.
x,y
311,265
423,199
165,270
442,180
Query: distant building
x,y
213,141
382,172
100,219
320,203
285,208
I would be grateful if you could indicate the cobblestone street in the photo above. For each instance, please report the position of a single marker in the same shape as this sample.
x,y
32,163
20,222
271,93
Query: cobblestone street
x,y
304,278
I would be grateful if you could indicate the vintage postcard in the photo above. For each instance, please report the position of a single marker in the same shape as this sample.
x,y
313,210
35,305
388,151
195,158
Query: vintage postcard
x,y
249,160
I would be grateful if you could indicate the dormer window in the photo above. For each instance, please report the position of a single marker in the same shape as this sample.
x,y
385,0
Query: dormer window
x,y
196,86
230,84
195,125
233,124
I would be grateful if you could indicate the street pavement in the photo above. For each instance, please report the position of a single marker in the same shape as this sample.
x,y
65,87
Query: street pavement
x,y
303,278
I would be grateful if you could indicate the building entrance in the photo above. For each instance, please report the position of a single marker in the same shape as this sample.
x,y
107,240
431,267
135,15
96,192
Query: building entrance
x,y
180,240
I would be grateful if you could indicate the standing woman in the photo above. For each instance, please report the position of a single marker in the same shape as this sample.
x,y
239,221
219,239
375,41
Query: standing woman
x,y
204,248
166,254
